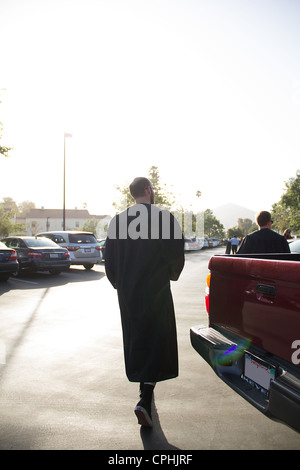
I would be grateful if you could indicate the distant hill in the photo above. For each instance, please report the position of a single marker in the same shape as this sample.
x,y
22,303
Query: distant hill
x,y
228,214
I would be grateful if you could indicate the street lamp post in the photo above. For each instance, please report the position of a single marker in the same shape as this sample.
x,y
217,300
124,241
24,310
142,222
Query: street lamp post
x,y
64,203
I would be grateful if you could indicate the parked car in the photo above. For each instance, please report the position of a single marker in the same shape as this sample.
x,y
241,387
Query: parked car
x,y
213,242
205,243
102,246
295,246
83,247
8,262
191,244
39,254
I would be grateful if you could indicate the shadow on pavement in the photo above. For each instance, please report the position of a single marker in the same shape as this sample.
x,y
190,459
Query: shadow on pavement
x,y
154,438
37,280
18,341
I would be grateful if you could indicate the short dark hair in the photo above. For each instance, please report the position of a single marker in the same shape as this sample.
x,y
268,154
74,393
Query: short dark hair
x,y
138,186
262,218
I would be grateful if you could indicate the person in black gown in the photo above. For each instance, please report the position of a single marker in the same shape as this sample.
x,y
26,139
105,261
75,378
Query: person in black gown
x,y
144,252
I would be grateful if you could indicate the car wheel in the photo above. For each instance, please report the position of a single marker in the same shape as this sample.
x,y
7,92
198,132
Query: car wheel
x,y
4,277
88,265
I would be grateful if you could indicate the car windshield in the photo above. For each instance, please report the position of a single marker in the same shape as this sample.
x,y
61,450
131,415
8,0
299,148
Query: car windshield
x,y
82,238
40,242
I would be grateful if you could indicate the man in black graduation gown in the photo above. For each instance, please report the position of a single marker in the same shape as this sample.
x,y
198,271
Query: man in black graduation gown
x,y
264,240
144,251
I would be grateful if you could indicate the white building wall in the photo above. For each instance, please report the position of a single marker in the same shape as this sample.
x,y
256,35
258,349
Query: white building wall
x,y
34,226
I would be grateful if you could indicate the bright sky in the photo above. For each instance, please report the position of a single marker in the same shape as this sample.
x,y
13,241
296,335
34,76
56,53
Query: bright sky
x,y
206,90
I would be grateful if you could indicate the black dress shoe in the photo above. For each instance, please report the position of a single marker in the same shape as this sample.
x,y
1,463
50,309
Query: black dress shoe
x,y
143,415
143,408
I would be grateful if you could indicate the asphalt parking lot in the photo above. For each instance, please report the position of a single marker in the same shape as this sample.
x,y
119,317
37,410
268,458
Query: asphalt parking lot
x,y
63,385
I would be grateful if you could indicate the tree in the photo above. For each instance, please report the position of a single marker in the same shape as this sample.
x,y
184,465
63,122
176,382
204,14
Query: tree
x,y
280,217
163,197
24,207
285,213
243,228
90,226
291,198
191,224
8,212
7,225
235,232
9,205
212,226
3,150
245,225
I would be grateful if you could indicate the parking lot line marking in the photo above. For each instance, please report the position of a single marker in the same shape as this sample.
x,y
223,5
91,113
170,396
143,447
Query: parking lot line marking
x,y
22,280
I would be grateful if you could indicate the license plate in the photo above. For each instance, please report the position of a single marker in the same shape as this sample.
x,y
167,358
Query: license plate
x,y
258,373
53,255
87,250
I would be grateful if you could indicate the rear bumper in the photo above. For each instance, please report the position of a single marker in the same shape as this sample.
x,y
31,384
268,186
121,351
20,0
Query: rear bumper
x,y
36,265
83,262
9,268
226,356
80,260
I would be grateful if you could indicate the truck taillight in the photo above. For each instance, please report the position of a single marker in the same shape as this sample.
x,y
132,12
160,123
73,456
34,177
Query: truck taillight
x,y
207,292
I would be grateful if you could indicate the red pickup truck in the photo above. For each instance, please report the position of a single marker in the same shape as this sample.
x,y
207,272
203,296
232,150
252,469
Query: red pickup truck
x,y
252,340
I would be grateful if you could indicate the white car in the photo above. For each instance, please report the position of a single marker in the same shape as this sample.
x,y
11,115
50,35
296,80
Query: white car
x,y
213,242
193,244
83,247
295,246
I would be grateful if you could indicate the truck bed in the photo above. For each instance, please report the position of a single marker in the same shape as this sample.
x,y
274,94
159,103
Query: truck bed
x,y
258,299
254,320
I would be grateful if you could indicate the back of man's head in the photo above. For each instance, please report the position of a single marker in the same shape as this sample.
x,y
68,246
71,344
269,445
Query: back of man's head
x,y
138,186
263,218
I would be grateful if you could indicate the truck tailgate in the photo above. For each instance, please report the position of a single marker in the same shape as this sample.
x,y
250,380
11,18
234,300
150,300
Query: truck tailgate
x,y
257,299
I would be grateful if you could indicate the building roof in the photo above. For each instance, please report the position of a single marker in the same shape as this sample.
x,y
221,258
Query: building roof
x,y
58,213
